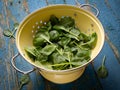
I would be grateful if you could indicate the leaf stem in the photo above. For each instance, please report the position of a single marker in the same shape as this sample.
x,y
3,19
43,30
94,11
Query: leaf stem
x,y
60,64
103,61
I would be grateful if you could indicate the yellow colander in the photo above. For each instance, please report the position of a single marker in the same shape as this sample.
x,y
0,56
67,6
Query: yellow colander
x,y
86,21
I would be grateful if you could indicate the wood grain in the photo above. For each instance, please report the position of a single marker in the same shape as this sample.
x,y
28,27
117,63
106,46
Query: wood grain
x,y
12,11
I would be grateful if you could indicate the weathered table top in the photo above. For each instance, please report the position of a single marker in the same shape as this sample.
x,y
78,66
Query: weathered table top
x,y
13,11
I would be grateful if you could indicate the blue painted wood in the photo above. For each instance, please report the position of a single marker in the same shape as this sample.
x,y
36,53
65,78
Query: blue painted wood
x,y
12,11
113,79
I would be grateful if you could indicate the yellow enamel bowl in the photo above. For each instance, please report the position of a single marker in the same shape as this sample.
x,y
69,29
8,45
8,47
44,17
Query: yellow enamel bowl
x,y
85,21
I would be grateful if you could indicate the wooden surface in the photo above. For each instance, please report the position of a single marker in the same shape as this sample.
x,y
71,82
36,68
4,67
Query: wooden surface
x,y
12,11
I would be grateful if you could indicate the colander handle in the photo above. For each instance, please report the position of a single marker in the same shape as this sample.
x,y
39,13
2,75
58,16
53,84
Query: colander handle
x,y
97,11
83,5
13,64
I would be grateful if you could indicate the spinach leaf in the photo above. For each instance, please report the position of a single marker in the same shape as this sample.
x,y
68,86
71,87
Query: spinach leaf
x,y
48,49
54,20
78,63
91,43
8,33
64,41
37,41
102,70
44,64
25,79
67,30
57,58
46,27
67,21
41,38
54,35
31,51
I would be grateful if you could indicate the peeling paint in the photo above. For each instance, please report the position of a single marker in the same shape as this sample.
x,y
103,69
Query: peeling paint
x,y
2,20
113,47
30,86
25,5
2,43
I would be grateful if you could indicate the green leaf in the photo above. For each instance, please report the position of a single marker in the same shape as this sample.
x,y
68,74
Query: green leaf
x,y
70,34
46,65
67,21
102,70
54,35
16,26
24,80
59,27
48,49
46,37
8,33
57,58
37,41
41,57
32,52
64,41
41,38
91,43
46,27
75,31
78,63
54,20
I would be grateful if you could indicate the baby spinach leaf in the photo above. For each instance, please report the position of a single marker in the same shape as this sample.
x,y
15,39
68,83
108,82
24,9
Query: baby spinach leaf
x,y
71,36
59,27
84,37
54,35
92,41
67,21
46,27
31,51
57,58
10,33
48,49
46,37
7,33
67,30
37,41
64,41
16,26
78,63
25,79
102,70
41,38
54,20
44,64
75,31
